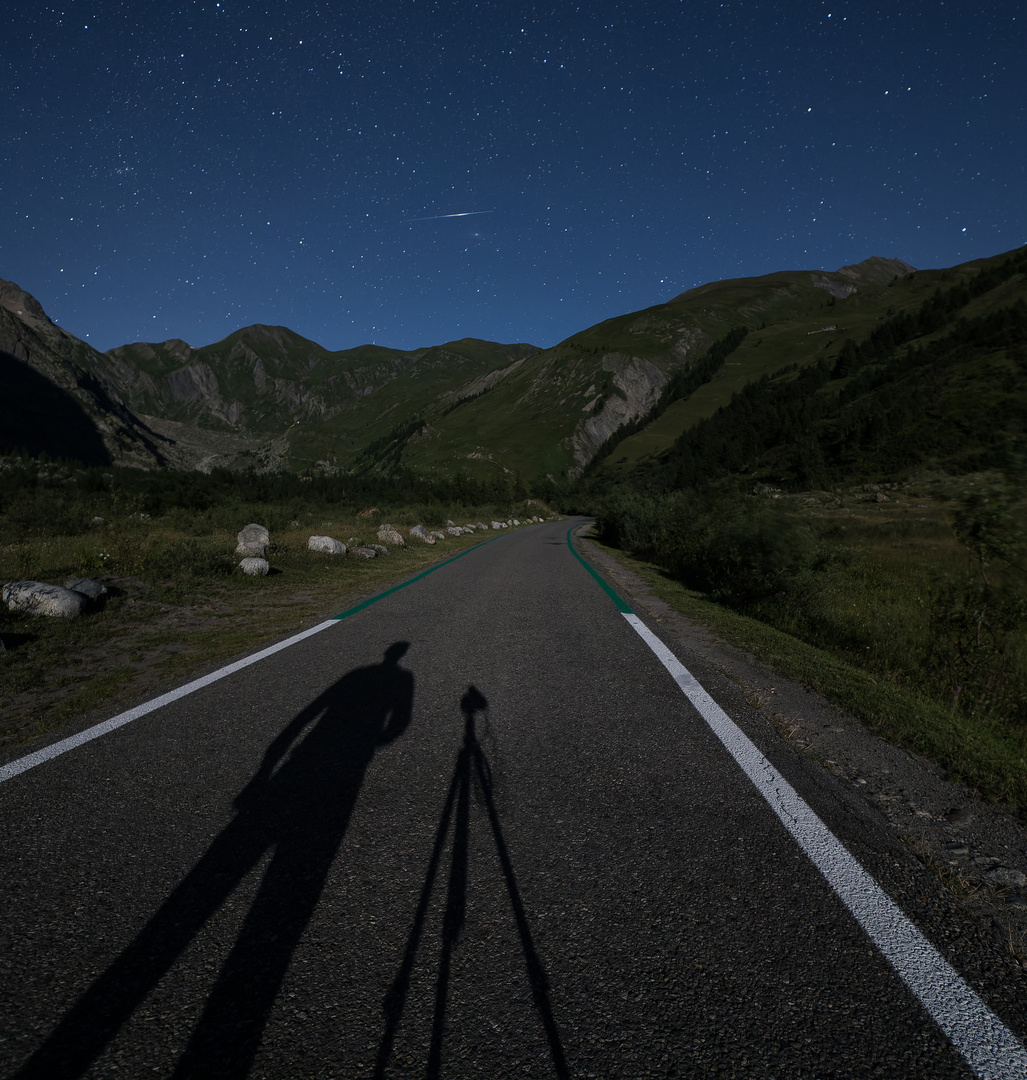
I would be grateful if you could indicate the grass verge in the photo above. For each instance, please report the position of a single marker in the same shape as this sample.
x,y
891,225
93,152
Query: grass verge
x,y
991,761
156,631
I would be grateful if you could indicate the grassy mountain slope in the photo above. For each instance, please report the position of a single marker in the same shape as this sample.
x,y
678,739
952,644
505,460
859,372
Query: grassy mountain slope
x,y
476,407
393,402
868,500
257,380
614,396
822,314
566,404
938,379
321,406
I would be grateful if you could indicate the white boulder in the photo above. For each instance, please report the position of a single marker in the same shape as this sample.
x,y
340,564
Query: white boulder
x,y
254,567
325,545
38,598
388,535
253,540
94,591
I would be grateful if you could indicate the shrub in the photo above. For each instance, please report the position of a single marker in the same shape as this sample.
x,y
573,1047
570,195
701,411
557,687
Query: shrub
x,y
734,547
748,552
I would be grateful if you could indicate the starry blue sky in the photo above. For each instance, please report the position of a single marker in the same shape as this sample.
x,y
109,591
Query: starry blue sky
x,y
183,169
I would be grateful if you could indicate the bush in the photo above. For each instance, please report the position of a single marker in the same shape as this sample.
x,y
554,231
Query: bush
x,y
977,640
734,547
977,647
748,554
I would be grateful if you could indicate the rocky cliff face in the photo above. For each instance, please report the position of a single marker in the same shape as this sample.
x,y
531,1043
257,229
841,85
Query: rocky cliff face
x,y
637,385
253,376
480,385
54,403
259,379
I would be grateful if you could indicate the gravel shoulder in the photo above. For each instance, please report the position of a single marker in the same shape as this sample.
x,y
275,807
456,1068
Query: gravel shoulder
x,y
976,850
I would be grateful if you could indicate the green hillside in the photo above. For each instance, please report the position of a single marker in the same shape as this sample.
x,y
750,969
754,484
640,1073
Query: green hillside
x,y
936,379
608,401
397,405
322,406
854,512
484,409
809,328
567,404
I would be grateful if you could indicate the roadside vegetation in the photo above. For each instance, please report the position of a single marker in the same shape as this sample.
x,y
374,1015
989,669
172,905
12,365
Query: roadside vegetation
x,y
910,612
871,507
837,483
163,543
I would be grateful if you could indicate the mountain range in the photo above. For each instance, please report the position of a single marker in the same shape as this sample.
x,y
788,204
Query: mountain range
x,y
609,397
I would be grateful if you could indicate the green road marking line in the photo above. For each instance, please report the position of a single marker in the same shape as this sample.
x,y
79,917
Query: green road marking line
x,y
424,573
47,753
621,606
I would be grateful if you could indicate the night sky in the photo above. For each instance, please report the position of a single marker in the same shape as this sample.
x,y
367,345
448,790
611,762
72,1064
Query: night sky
x,y
406,172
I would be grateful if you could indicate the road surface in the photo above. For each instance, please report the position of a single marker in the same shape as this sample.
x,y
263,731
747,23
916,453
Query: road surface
x,y
473,829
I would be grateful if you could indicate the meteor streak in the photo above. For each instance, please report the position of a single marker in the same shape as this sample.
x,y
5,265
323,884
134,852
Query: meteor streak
x,y
438,217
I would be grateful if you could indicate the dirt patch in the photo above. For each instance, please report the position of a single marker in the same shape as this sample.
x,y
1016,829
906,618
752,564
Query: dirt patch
x,y
131,650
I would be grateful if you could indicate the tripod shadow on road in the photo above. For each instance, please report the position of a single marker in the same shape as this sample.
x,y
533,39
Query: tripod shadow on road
x,y
472,773
296,806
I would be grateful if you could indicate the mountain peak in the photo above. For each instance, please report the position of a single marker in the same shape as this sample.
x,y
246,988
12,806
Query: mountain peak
x,y
878,269
22,304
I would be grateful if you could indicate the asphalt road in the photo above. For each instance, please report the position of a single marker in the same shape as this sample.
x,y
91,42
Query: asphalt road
x,y
474,829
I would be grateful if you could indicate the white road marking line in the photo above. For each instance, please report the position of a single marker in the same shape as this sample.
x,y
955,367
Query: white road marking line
x,y
14,768
989,1047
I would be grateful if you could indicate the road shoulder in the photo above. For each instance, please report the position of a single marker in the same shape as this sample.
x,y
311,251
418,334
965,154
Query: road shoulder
x,y
975,850
138,648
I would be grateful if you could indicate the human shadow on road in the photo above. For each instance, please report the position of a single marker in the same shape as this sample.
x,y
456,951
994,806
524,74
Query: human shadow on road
x,y
472,772
299,811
